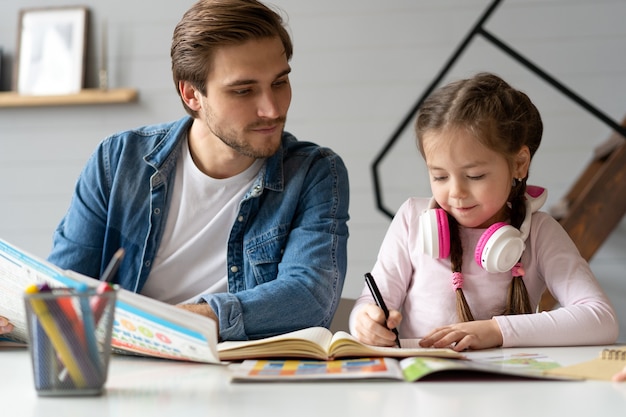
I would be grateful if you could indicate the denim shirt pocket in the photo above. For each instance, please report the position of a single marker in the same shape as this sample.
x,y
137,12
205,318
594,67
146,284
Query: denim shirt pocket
x,y
264,254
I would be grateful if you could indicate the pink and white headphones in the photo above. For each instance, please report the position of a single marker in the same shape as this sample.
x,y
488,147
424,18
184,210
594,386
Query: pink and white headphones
x,y
500,246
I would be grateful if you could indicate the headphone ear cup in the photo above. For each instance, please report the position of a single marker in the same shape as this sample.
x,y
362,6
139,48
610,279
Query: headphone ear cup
x,y
434,233
499,248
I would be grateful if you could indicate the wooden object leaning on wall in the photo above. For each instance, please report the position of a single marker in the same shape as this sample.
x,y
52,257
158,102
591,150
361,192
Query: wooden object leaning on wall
x,y
595,204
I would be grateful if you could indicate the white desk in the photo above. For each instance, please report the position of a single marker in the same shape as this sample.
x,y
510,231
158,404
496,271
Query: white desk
x,y
153,388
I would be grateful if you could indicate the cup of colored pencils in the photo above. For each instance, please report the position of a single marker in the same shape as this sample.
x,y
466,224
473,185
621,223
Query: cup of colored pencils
x,y
69,333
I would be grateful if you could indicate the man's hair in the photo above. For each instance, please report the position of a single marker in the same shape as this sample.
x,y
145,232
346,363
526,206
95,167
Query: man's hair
x,y
212,24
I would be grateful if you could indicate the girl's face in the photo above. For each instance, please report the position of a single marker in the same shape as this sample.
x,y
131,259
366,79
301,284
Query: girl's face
x,y
468,180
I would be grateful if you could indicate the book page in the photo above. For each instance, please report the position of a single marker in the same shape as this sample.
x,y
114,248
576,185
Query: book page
x,y
306,370
306,343
417,368
17,271
162,330
345,345
142,325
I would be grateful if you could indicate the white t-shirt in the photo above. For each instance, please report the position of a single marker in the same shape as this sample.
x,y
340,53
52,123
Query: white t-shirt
x,y
191,259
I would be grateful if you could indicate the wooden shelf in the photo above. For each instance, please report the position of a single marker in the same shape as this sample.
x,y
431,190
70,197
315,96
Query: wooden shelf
x,y
87,96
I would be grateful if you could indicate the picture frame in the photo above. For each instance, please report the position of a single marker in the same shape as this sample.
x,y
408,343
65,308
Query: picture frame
x,y
51,50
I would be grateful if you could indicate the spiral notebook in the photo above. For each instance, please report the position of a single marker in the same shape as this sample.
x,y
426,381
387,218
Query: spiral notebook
x,y
608,363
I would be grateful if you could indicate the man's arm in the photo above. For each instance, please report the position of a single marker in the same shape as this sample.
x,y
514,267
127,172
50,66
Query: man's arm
x,y
294,258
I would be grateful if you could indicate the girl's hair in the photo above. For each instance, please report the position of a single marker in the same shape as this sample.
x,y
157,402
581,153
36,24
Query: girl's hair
x,y
503,119
212,24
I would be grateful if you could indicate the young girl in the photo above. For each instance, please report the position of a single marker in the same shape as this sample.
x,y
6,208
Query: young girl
x,y
467,268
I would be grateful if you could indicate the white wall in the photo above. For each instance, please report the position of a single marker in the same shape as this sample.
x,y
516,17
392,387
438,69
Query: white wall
x,y
358,67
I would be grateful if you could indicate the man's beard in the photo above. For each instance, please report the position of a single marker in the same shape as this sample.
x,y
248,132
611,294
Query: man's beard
x,y
237,141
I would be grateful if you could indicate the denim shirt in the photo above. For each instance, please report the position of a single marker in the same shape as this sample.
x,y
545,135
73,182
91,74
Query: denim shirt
x,y
287,251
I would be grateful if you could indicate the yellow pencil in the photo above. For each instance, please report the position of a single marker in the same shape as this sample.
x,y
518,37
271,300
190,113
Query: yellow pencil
x,y
54,334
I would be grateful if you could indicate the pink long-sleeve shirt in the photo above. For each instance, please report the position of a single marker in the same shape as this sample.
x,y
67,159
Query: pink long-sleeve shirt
x,y
421,287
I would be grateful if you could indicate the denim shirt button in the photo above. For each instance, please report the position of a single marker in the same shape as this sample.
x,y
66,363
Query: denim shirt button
x,y
157,211
234,269
148,263
240,219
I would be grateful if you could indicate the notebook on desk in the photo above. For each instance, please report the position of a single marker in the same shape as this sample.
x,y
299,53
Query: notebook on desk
x,y
608,362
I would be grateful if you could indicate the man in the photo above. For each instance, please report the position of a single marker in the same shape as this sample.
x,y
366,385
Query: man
x,y
222,213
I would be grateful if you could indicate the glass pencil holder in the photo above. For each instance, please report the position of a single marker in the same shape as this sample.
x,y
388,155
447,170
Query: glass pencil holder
x,y
70,339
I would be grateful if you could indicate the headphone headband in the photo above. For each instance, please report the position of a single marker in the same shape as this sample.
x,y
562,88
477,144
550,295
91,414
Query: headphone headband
x,y
535,198
500,246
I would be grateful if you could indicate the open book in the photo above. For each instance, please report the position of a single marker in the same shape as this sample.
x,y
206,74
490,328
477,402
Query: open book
x,y
320,343
408,369
148,327
142,325
609,362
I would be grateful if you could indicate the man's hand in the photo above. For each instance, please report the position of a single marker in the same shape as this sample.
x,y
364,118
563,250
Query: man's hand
x,y
204,310
481,334
5,326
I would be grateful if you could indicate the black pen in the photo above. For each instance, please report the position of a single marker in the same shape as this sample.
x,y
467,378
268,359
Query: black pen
x,y
369,279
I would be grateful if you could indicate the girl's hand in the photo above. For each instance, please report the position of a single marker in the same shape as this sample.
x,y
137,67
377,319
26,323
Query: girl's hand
x,y
370,326
481,334
5,326
620,376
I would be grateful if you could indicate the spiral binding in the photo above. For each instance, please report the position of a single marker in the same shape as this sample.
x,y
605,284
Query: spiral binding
x,y
614,354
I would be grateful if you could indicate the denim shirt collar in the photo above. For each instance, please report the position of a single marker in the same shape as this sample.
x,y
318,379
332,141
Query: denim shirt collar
x,y
163,156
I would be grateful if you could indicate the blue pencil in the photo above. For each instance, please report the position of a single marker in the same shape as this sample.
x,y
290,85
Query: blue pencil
x,y
89,328
44,359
